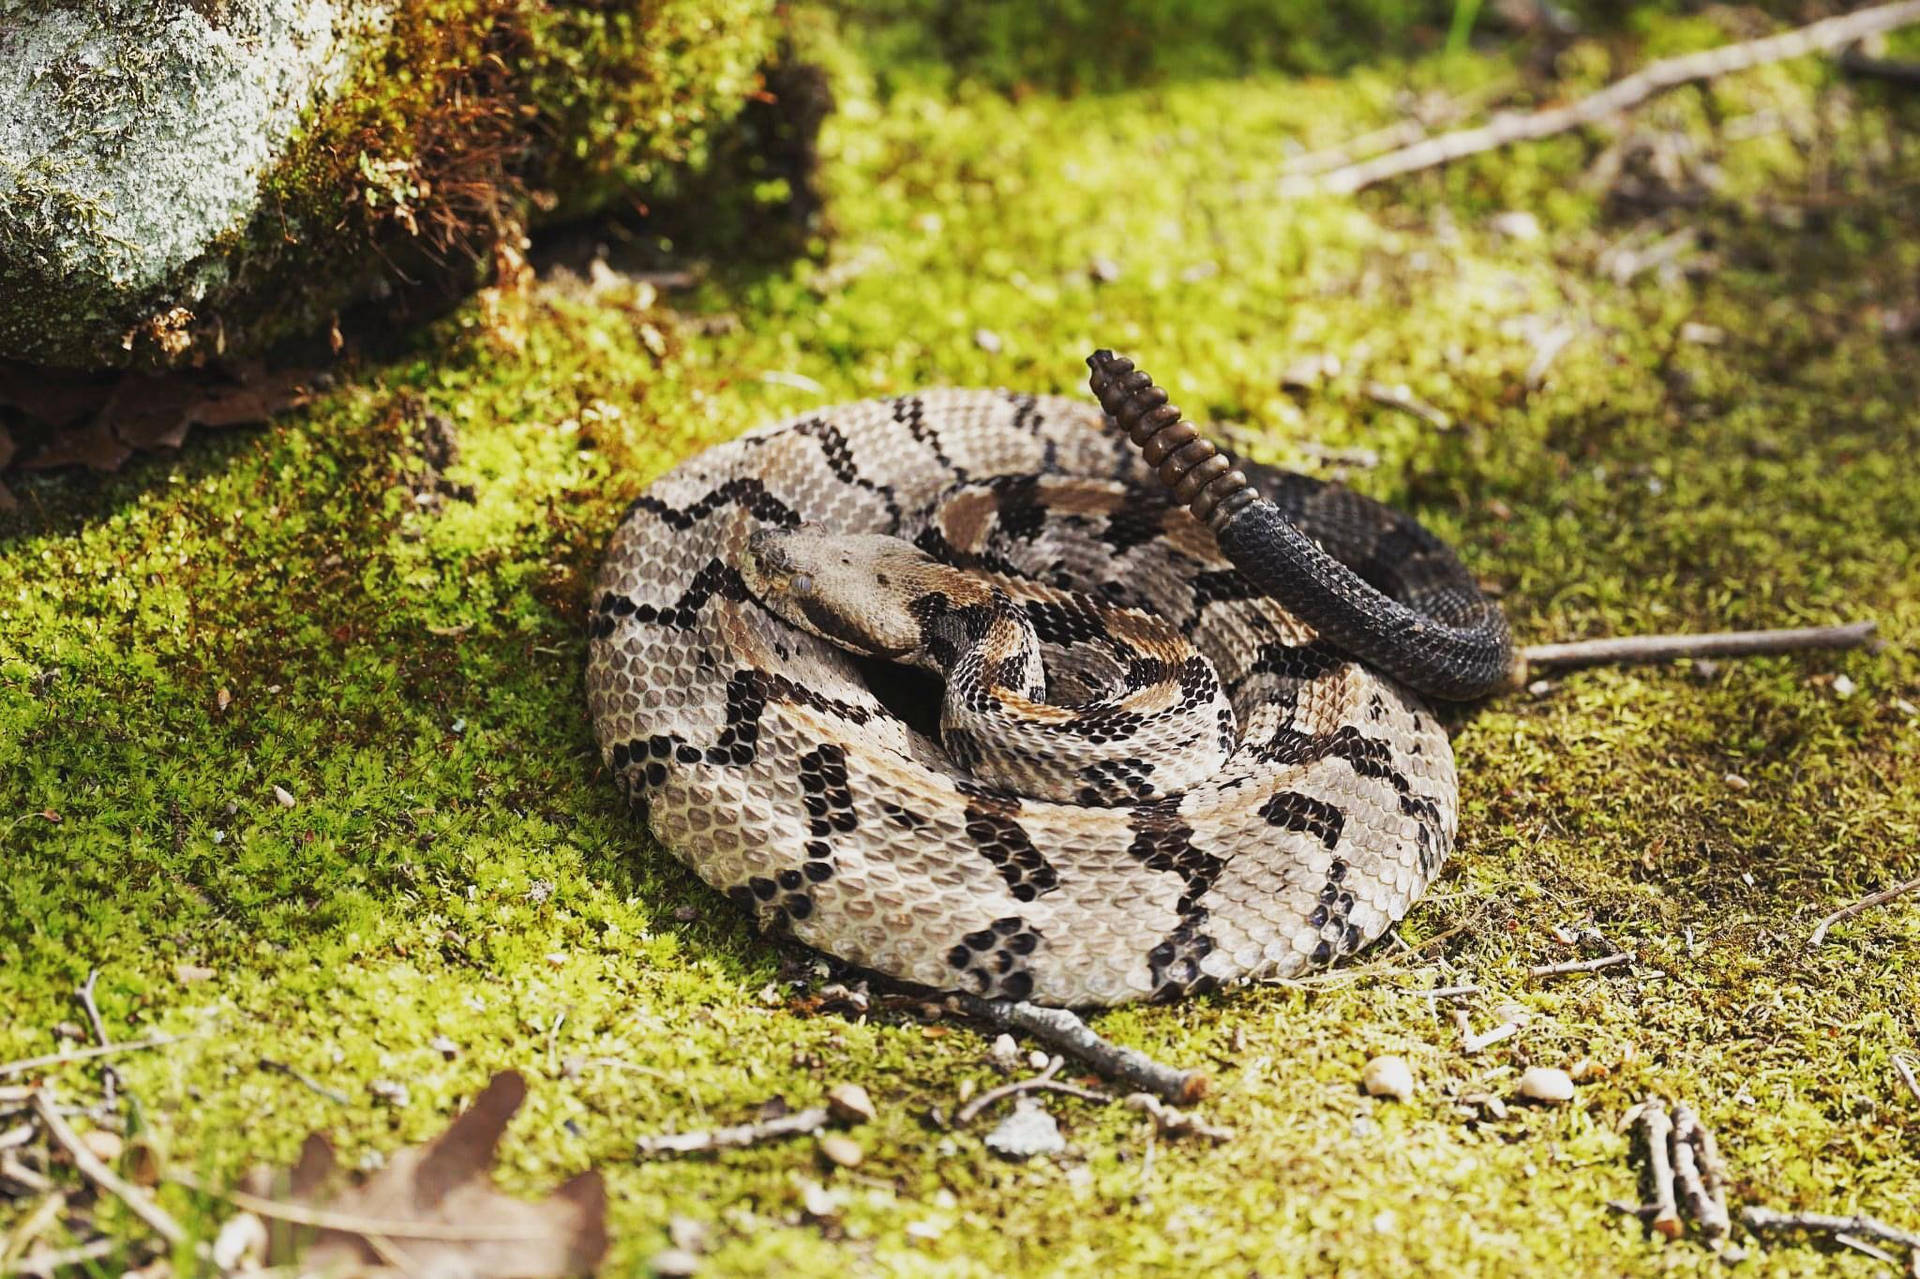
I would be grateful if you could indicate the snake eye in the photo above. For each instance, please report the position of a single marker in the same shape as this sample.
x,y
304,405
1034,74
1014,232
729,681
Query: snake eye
x,y
800,584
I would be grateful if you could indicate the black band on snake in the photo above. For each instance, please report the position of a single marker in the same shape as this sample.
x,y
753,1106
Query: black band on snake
x,y
1423,620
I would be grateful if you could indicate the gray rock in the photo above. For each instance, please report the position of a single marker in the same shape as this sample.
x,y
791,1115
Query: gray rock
x,y
134,135
1030,1130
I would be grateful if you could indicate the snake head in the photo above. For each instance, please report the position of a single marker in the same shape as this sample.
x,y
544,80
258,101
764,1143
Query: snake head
x,y
851,589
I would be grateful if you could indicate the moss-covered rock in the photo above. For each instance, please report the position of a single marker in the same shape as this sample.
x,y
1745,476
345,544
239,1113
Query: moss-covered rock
x,y
180,181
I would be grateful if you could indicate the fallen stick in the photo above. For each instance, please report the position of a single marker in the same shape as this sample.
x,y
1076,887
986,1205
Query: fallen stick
x,y
812,1119
1572,966
1860,907
1665,648
1618,97
27,1064
46,1265
1855,63
1058,1028
90,1166
1175,1122
1658,1128
1905,1072
1765,1220
1042,1082
109,1077
1690,1176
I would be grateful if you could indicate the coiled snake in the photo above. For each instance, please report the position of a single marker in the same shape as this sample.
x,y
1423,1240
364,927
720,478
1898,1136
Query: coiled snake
x,y
1179,742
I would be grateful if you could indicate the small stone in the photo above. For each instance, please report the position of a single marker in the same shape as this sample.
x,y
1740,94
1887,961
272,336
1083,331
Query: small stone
x,y
1705,668
987,340
394,1094
283,797
1906,707
817,1200
1030,1130
241,1243
444,1046
222,699
188,974
1004,1055
842,1150
674,1263
1388,1076
1702,334
688,1234
1844,687
556,959
850,1104
1736,782
1515,224
1104,270
925,1231
1546,1084
106,1146
1037,1059
966,1091
1540,687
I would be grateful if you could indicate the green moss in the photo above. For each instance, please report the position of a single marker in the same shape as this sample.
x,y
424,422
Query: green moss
x,y
408,668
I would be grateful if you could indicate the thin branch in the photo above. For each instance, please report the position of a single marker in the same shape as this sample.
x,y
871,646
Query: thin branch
x,y
1581,965
1765,1220
1437,992
1665,648
1905,1072
1042,1082
1696,1167
1618,97
1175,1122
109,1077
812,1119
1058,1028
90,1166
1658,1129
45,1265
1861,907
28,1064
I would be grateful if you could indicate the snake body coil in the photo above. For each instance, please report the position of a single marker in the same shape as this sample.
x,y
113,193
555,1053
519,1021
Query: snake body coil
x,y
1166,757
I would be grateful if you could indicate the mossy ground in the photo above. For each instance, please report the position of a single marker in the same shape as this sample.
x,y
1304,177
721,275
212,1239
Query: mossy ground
x,y
1729,441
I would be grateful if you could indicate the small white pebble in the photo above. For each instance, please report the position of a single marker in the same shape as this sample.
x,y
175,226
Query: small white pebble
x,y
1515,224
1037,1059
106,1146
850,1104
283,796
674,1263
1546,1084
444,1046
818,1200
1004,1054
1906,707
242,1242
689,1233
1844,687
1540,687
387,1090
1388,1076
1736,782
556,959
1104,270
1030,1130
987,340
842,1150
925,1231
966,1090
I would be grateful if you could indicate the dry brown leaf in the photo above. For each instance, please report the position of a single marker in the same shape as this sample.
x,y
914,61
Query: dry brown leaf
x,y
433,1211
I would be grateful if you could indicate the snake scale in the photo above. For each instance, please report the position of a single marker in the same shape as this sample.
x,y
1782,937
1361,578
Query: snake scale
x,y
1179,741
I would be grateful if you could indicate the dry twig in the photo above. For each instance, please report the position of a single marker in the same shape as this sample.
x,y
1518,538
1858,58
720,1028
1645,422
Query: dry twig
x,y
1861,907
1042,1082
1618,97
812,1119
1905,1072
28,1064
1658,1129
1175,1122
45,1265
1765,1221
1697,1169
90,1166
1061,1029
1571,966
1665,648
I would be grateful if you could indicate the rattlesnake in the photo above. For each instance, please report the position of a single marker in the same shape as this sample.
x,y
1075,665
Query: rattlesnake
x,y
1151,777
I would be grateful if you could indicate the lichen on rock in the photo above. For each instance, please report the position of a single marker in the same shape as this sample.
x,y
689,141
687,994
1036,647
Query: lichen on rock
x,y
184,181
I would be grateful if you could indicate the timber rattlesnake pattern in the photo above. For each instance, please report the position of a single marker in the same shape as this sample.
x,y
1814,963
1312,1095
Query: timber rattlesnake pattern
x,y
1151,777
